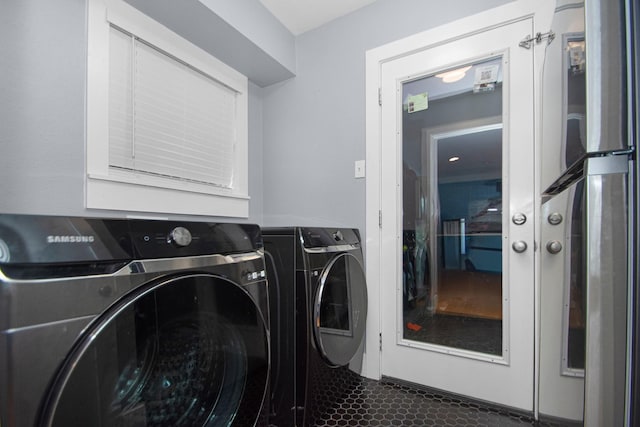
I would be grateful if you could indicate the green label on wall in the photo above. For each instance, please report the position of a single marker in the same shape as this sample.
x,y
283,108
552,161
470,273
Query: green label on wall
x,y
418,102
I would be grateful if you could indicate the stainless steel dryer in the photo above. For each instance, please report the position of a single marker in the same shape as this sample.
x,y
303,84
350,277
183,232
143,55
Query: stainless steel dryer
x,y
129,322
318,298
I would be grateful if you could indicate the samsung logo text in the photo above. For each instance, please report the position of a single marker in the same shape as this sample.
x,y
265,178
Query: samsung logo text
x,y
70,239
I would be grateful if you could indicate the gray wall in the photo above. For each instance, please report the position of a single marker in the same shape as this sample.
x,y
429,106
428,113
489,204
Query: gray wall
x,y
42,96
43,47
242,34
256,155
314,123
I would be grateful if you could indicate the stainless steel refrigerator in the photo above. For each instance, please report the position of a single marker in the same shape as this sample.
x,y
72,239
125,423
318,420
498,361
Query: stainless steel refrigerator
x,y
589,133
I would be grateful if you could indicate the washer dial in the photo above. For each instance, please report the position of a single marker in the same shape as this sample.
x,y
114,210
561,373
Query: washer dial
x,y
180,236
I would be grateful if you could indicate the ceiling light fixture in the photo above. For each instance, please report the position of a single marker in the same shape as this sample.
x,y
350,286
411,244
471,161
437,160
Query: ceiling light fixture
x,y
454,159
453,75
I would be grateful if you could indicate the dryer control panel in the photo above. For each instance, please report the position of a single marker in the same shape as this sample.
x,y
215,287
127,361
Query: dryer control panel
x,y
329,237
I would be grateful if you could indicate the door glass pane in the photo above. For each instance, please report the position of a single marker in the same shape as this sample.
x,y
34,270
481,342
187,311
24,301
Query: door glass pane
x,y
452,208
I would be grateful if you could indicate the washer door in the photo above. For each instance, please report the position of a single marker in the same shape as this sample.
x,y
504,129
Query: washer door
x,y
340,309
189,351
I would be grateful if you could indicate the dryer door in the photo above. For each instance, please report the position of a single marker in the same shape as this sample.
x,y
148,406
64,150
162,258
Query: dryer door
x,y
189,351
340,309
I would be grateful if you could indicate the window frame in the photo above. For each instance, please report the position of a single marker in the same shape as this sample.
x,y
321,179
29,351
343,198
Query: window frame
x,y
107,188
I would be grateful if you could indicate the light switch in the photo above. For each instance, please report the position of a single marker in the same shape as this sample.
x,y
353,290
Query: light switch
x,y
360,169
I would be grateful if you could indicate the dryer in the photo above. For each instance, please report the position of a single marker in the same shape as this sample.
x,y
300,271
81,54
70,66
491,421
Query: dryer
x,y
318,302
132,322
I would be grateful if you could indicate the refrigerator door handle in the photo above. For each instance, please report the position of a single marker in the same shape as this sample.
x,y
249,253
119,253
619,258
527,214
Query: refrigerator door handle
x,y
607,165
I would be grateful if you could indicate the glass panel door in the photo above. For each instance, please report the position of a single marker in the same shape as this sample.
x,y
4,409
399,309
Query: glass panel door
x,y
458,183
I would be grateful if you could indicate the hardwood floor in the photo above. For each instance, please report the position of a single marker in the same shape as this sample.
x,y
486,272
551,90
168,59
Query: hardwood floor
x,y
470,293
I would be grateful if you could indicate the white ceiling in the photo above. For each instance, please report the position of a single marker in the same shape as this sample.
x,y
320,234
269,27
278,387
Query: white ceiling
x,y
300,16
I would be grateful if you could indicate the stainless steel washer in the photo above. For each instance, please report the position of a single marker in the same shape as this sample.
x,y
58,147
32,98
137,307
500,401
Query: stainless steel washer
x,y
131,322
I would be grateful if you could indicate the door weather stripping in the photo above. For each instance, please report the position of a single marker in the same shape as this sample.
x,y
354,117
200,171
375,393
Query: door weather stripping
x,y
380,96
528,40
380,341
380,219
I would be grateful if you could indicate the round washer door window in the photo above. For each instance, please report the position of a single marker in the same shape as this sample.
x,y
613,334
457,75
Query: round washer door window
x,y
190,351
340,309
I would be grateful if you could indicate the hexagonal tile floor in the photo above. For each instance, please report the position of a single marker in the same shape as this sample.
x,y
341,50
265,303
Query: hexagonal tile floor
x,y
389,403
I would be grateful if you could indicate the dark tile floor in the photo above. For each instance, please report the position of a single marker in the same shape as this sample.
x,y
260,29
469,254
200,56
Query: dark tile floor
x,y
390,403
343,398
468,333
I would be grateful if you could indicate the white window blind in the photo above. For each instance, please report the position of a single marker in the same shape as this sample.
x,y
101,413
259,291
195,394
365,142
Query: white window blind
x,y
167,119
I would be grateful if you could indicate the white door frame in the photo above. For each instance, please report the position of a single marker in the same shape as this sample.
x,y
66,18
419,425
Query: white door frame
x,y
542,13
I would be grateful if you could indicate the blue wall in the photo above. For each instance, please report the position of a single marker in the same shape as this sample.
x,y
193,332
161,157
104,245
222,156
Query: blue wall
x,y
455,198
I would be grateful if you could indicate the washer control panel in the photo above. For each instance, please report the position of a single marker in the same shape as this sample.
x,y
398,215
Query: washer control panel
x,y
165,239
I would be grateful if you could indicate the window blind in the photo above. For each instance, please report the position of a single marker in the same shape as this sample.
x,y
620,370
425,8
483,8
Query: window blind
x,y
166,118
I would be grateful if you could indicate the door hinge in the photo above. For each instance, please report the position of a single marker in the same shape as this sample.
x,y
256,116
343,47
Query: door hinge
x,y
380,341
528,40
380,96
380,219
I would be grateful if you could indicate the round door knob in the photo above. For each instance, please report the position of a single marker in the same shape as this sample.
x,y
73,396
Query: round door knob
x,y
554,218
519,218
554,247
519,246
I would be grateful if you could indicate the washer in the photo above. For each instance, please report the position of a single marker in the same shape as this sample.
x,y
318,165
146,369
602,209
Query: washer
x,y
132,322
318,301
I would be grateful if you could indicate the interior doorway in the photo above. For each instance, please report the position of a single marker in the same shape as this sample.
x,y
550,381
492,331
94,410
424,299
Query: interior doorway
x,y
458,303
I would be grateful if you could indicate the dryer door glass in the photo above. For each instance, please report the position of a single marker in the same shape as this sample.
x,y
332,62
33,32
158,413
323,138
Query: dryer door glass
x,y
189,351
340,309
